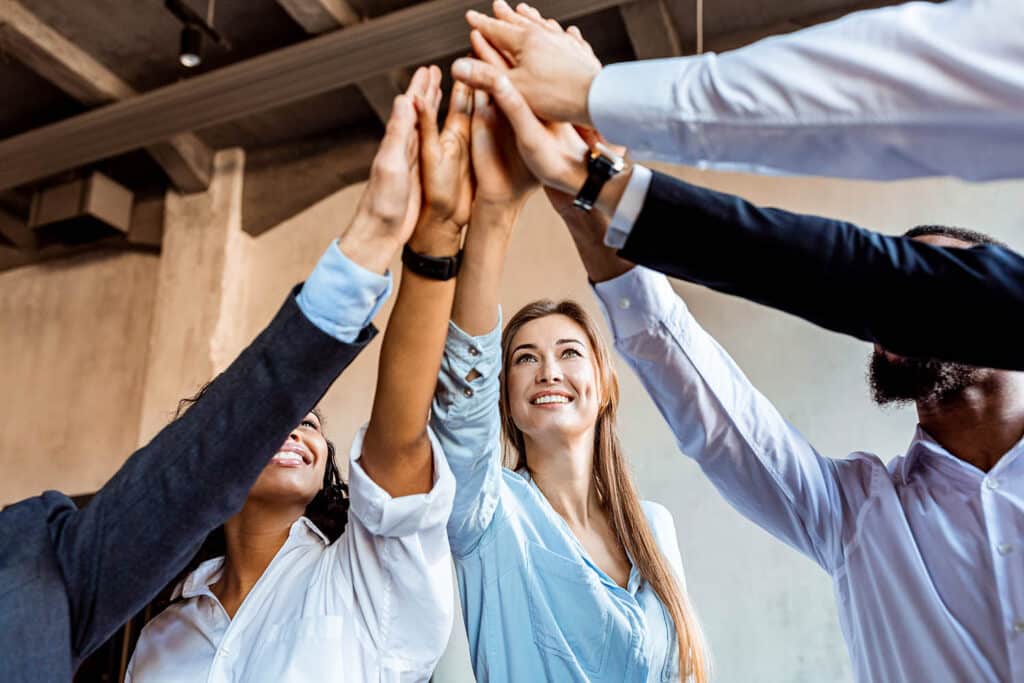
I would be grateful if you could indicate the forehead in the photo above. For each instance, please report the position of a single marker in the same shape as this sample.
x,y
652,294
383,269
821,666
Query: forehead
x,y
944,241
548,330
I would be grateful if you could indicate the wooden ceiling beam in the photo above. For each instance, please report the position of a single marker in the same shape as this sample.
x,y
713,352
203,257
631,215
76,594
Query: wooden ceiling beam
x,y
184,157
323,16
415,35
650,29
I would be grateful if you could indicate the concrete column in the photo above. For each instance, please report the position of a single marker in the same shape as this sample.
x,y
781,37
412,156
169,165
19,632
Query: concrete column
x,y
196,329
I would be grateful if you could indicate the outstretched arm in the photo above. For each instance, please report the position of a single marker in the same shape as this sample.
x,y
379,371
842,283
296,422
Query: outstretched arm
x,y
396,450
150,518
878,94
465,415
893,291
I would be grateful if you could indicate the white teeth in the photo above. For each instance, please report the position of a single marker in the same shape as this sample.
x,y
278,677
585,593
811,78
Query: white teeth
x,y
550,399
287,458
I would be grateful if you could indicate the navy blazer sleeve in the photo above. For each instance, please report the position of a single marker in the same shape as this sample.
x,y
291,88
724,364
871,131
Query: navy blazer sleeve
x,y
912,298
140,529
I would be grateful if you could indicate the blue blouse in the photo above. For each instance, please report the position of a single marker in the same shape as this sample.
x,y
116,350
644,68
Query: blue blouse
x,y
536,606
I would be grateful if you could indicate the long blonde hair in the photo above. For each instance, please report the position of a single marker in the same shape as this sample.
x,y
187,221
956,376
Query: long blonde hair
x,y
613,482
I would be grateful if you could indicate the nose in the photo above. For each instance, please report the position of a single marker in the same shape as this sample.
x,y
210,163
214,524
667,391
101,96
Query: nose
x,y
549,373
294,435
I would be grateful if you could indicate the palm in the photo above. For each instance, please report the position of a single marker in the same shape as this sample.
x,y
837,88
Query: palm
x,y
501,174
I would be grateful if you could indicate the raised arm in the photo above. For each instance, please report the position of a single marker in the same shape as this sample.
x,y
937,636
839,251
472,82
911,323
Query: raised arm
x,y
919,89
150,518
396,449
760,463
465,415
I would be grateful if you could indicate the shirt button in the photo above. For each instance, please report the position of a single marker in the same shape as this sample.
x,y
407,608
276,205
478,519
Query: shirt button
x,y
467,392
1018,627
473,351
624,303
1005,548
991,483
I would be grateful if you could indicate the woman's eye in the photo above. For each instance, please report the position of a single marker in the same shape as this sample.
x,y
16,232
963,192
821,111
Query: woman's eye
x,y
525,358
310,424
571,353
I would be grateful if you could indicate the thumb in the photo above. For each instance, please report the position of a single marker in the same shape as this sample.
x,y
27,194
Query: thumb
x,y
483,76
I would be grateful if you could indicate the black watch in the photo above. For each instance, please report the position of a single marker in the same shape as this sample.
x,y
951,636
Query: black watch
x,y
433,267
602,165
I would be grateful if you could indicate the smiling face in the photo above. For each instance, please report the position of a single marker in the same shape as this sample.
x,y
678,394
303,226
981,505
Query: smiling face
x,y
552,378
296,472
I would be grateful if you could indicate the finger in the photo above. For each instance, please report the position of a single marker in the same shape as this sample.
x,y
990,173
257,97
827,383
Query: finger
x,y
483,76
434,94
504,12
574,31
536,18
460,109
503,35
418,83
486,51
427,119
398,134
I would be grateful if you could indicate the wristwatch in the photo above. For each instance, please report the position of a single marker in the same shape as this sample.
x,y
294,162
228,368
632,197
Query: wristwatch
x,y
433,267
602,165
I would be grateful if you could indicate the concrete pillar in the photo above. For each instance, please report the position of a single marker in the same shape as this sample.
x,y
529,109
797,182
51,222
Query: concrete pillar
x,y
197,326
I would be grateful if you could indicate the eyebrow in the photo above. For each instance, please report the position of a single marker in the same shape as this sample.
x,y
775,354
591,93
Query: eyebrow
x,y
560,342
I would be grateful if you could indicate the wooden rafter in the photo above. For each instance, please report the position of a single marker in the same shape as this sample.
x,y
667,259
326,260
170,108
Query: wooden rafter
x,y
184,157
272,80
650,29
323,16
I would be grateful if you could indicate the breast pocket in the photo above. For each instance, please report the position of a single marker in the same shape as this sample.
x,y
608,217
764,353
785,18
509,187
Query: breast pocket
x,y
569,609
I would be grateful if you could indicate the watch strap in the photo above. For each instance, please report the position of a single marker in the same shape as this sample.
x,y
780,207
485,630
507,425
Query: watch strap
x,y
433,267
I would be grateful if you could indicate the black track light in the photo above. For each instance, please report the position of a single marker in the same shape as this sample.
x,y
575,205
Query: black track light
x,y
190,54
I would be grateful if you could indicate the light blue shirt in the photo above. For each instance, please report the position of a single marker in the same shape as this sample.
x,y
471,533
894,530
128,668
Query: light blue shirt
x,y
536,607
341,297
919,89
926,554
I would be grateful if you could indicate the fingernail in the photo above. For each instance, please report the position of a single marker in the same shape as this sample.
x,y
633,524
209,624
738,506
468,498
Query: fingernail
x,y
461,69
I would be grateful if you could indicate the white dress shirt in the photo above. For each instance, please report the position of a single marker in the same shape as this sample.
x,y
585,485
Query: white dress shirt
x,y
926,553
919,89
375,605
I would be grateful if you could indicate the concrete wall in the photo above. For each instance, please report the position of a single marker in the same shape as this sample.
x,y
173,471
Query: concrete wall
x,y
768,612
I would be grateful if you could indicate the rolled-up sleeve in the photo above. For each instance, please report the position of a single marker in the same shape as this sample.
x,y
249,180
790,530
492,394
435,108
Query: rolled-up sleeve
x,y
465,416
395,560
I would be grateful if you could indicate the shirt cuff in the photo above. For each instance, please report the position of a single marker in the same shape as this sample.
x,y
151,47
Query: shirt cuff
x,y
636,301
340,296
629,208
661,124
383,515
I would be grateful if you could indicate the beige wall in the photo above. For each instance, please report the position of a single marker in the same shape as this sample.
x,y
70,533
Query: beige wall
x,y
768,612
72,361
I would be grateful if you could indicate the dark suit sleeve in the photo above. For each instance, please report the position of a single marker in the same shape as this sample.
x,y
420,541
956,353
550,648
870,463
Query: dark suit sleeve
x,y
912,298
150,518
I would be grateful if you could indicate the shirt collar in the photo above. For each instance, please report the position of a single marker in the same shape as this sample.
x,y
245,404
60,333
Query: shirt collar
x,y
198,582
924,447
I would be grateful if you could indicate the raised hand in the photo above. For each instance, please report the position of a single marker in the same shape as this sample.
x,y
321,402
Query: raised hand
x,y
554,152
390,204
444,157
552,68
502,178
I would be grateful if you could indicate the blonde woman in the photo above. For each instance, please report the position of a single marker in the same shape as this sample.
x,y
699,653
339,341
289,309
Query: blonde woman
x,y
564,574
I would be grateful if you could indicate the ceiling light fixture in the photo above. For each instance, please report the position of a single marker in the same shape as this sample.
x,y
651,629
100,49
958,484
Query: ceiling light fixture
x,y
190,54
193,28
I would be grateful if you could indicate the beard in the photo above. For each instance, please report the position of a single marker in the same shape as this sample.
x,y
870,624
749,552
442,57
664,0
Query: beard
x,y
919,380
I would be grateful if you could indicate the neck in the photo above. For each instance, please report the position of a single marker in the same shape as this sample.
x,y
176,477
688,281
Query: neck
x,y
253,537
563,468
980,424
